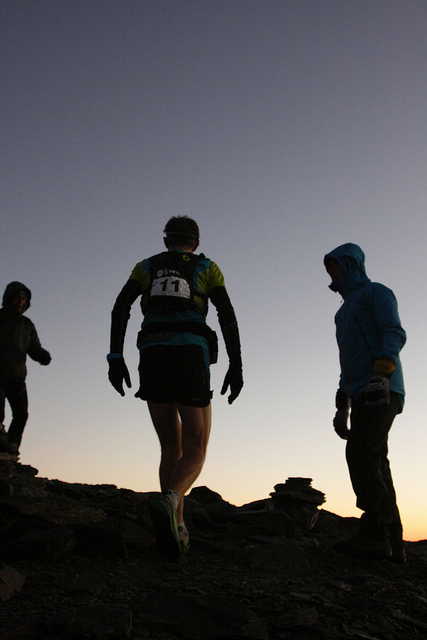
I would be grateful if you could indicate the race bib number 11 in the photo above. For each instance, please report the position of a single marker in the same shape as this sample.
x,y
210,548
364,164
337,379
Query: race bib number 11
x,y
171,286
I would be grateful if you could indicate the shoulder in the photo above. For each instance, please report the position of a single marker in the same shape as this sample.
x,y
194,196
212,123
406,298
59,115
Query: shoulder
x,y
203,261
144,265
27,323
141,271
370,290
379,302
381,288
379,291
207,262
207,274
213,272
139,278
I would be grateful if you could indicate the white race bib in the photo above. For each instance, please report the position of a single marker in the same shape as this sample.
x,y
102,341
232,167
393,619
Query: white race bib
x,y
170,286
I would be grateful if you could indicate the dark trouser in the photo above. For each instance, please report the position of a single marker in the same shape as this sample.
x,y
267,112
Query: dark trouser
x,y
369,467
14,390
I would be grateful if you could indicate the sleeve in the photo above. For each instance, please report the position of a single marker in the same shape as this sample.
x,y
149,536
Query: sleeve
x,y
121,313
138,282
341,382
35,350
228,323
393,336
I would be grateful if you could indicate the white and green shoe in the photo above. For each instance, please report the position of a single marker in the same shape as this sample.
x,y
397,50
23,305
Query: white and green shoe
x,y
164,521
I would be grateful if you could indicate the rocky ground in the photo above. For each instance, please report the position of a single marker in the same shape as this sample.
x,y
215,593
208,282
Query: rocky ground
x,y
79,562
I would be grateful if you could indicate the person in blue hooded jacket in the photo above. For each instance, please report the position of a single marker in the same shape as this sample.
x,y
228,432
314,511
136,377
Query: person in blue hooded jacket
x,y
370,338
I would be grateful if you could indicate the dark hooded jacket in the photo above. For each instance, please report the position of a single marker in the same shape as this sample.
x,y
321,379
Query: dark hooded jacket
x,y
18,336
367,324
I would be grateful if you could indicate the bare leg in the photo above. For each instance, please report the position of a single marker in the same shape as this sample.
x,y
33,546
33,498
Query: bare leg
x,y
196,428
183,433
168,427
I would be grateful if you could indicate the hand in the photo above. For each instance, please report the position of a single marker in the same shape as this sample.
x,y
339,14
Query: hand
x,y
234,380
45,357
340,423
342,404
377,392
117,373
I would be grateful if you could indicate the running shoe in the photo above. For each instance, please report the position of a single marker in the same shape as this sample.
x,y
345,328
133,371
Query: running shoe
x,y
164,521
5,445
184,539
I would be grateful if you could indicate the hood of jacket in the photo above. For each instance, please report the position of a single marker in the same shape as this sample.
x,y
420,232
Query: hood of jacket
x,y
351,259
11,290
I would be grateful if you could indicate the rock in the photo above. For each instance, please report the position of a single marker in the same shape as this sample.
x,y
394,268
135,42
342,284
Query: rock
x,y
282,555
6,488
266,521
88,584
93,622
80,563
203,495
202,617
100,540
24,628
203,502
11,582
297,490
298,617
46,543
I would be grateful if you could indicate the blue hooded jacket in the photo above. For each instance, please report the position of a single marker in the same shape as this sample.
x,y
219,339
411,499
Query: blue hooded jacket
x,y
367,324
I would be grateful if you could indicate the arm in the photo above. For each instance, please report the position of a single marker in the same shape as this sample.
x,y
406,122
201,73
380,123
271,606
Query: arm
x,y
35,350
117,369
387,318
121,313
230,331
393,338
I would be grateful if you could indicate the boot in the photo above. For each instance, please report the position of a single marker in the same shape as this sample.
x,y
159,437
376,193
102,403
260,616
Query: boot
x,y
398,553
5,445
371,541
361,546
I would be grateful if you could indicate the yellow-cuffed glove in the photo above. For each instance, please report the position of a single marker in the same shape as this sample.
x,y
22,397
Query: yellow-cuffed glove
x,y
384,367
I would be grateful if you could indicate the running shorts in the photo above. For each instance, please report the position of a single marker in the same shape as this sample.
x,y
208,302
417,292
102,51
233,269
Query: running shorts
x,y
174,374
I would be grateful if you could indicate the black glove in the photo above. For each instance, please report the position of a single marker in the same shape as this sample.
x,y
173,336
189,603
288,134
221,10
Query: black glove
x,y
342,403
377,392
44,357
117,373
340,423
234,380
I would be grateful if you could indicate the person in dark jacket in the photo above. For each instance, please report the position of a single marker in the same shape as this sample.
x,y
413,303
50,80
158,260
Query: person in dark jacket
x,y
176,350
18,338
370,338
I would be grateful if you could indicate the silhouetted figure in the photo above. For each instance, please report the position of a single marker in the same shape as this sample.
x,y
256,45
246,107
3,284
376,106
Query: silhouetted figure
x,y
18,338
370,337
176,349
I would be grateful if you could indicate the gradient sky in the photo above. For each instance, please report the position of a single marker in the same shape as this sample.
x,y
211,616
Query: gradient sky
x,y
285,128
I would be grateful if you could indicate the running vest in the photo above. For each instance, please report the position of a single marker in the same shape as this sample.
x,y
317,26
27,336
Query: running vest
x,y
172,289
172,283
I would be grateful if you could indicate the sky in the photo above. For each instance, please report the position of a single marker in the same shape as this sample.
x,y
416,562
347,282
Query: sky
x,y
285,128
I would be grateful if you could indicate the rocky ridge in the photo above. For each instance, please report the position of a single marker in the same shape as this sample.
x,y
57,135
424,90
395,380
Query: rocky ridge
x,y
79,562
